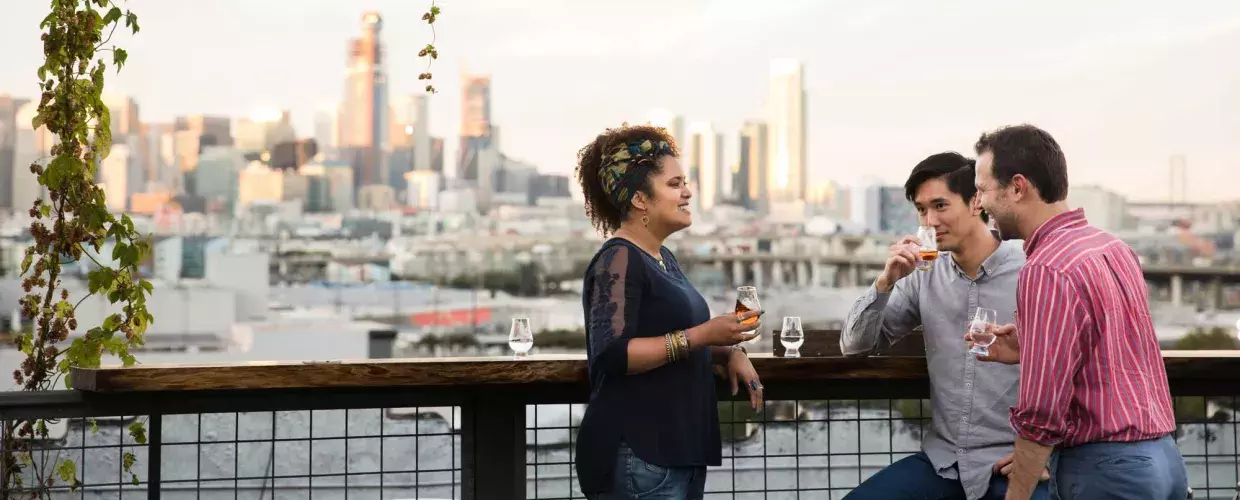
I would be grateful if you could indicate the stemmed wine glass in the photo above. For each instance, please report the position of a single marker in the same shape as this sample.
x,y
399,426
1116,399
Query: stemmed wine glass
x,y
520,337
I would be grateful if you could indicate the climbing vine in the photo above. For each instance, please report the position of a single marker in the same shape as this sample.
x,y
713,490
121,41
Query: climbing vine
x,y
430,52
73,224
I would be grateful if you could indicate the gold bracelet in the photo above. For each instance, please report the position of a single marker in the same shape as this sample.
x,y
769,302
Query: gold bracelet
x,y
667,348
681,343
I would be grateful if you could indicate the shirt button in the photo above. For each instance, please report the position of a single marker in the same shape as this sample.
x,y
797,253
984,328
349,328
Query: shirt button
x,y
964,419
960,451
968,385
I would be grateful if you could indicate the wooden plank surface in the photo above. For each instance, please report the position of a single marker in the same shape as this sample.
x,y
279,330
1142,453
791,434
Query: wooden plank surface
x,y
440,372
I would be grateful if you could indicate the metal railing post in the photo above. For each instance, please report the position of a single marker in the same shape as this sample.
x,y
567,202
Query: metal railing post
x,y
154,456
493,447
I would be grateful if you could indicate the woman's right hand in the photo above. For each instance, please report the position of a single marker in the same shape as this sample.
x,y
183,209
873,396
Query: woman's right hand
x,y
725,330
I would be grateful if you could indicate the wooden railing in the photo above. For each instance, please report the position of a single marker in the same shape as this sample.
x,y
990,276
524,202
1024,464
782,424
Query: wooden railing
x,y
491,393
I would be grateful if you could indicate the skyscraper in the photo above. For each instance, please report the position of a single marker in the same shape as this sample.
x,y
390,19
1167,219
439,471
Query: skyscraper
x,y
420,114
124,111
410,136
8,141
327,127
703,158
476,130
364,110
193,133
786,167
30,146
675,124
753,165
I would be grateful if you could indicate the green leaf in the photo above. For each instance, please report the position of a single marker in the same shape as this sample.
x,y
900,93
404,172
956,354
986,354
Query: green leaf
x,y
118,58
435,11
46,210
25,343
61,168
131,21
100,279
114,15
128,460
66,470
138,432
133,478
112,322
115,345
94,426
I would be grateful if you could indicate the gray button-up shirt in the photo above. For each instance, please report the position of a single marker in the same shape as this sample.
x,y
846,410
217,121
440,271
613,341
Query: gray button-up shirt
x,y
970,398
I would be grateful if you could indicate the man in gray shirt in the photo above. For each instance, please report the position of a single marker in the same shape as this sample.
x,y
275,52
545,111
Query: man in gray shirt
x,y
967,454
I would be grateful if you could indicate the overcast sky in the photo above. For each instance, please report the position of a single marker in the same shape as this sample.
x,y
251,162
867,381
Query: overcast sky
x,y
1123,85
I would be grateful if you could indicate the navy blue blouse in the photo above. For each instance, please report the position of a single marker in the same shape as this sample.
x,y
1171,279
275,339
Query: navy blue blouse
x,y
668,416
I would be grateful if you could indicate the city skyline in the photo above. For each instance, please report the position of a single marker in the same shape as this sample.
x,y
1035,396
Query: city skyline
x,y
1124,86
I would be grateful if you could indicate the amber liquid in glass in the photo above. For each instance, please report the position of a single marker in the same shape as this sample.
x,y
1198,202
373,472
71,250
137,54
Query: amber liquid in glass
x,y
741,308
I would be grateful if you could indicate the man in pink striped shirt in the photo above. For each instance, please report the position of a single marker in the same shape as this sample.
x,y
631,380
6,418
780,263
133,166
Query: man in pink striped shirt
x,y
1093,386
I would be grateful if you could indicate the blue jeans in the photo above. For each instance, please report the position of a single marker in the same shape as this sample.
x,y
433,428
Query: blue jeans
x,y
915,478
636,479
1142,470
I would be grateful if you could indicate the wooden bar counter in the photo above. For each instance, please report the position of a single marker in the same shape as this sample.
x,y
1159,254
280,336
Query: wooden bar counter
x,y
1182,367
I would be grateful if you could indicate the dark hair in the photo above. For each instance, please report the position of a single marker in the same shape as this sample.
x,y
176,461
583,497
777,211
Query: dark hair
x,y
951,166
1029,151
956,170
604,213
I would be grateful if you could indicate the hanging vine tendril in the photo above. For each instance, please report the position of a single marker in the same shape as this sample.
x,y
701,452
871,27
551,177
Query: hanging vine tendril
x,y
73,223
430,52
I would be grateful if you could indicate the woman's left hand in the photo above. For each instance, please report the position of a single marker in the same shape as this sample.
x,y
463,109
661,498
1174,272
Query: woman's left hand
x,y
741,370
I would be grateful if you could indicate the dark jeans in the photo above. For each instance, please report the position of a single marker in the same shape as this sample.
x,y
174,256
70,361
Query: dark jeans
x,y
635,479
1142,470
914,478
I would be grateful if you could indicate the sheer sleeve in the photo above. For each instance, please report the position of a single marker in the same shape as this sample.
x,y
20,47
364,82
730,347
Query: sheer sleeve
x,y
616,291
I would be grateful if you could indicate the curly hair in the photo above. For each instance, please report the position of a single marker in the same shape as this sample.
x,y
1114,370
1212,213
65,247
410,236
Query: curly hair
x,y
605,213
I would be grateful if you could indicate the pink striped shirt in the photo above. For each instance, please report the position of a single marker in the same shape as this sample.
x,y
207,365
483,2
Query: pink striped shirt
x,y
1091,369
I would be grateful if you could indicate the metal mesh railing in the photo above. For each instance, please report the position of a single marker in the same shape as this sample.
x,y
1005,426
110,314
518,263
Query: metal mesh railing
x,y
823,449
93,450
324,454
806,449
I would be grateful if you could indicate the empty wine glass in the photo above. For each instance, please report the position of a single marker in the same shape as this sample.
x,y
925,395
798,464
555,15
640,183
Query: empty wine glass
x,y
747,300
982,330
791,336
929,249
520,337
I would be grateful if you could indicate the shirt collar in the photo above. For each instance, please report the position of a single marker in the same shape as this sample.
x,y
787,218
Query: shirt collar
x,y
1066,220
992,263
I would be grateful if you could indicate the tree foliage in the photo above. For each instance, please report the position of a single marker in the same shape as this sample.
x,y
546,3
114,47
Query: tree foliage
x,y
1200,339
73,223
